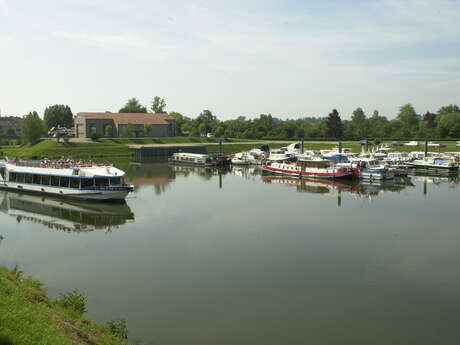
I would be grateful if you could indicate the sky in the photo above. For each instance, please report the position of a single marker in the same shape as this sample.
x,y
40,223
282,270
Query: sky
x,y
287,58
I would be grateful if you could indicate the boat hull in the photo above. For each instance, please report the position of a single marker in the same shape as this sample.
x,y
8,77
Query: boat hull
x,y
68,193
333,174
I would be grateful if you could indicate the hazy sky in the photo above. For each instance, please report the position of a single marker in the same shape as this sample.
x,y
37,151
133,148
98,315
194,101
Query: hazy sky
x,y
287,58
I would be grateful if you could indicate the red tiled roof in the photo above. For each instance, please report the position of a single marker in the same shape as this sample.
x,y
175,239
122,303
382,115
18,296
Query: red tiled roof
x,y
134,118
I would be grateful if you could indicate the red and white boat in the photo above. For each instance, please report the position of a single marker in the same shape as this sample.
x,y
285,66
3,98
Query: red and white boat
x,y
308,168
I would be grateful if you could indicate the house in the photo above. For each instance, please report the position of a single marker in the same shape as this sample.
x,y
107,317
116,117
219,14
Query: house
x,y
116,125
10,126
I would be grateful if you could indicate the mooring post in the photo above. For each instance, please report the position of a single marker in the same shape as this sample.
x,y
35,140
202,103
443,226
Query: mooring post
x,y
340,147
426,148
221,149
302,146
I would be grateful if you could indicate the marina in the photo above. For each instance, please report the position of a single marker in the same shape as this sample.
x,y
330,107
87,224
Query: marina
x,y
284,262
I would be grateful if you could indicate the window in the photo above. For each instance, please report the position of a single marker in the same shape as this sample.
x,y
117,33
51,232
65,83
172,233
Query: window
x,y
102,181
64,182
13,177
28,178
46,180
115,180
87,182
74,182
54,181
36,179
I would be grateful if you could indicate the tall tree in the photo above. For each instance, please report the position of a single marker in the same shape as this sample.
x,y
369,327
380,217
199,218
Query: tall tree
x,y
158,105
58,115
205,121
133,106
408,119
334,126
449,125
32,128
359,124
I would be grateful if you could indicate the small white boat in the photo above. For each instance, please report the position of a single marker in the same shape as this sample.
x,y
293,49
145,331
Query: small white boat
x,y
279,155
435,164
373,170
241,158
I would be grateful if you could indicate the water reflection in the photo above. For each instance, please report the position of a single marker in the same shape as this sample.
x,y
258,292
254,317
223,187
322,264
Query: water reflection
x,y
65,215
157,175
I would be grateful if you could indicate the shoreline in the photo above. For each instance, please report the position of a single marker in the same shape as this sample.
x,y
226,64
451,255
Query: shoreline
x,y
25,307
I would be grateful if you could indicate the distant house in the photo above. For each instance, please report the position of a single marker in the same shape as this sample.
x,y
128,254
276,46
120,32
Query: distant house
x,y
10,126
114,124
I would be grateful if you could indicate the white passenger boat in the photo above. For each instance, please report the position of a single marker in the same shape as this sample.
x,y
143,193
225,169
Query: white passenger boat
x,y
63,179
308,168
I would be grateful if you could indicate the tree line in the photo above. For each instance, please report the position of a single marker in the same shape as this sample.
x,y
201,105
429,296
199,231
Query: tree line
x,y
444,124
408,124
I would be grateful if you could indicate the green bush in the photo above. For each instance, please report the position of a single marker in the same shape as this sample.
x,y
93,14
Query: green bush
x,y
94,136
74,300
118,328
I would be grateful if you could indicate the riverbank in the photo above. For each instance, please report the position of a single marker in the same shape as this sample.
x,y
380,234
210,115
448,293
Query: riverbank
x,y
28,316
110,149
118,147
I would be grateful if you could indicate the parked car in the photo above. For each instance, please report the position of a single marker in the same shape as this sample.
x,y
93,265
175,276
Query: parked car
x,y
434,144
458,144
396,143
412,143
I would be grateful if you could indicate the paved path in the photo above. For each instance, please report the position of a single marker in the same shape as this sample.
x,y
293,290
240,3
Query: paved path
x,y
256,143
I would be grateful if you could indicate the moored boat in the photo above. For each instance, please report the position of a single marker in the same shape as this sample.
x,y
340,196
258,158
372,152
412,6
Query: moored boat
x,y
84,181
308,168
434,164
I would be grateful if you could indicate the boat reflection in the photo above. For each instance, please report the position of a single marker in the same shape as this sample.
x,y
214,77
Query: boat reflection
x,y
337,188
65,215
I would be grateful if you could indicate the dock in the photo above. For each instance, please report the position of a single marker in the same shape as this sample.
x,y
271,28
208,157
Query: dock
x,y
164,151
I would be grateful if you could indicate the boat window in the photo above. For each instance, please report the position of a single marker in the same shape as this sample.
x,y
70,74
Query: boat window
x,y
54,181
46,180
36,179
102,181
115,180
87,182
12,176
64,182
28,178
21,177
74,182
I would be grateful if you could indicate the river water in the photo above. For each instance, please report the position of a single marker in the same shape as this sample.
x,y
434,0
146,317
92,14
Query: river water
x,y
201,257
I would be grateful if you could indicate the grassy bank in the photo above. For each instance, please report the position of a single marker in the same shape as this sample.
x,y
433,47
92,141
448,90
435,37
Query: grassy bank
x,y
29,317
110,149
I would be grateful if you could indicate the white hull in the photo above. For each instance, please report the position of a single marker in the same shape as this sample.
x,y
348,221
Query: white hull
x,y
80,194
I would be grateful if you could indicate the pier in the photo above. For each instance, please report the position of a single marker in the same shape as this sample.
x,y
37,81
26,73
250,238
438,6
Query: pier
x,y
164,151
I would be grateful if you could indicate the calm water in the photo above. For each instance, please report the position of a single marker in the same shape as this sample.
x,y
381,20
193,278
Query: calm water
x,y
199,258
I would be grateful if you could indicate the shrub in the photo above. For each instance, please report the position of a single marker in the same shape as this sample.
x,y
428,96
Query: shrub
x,y
94,136
74,300
118,328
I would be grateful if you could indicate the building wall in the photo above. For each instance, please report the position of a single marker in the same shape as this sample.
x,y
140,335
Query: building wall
x,y
99,126
84,128
157,131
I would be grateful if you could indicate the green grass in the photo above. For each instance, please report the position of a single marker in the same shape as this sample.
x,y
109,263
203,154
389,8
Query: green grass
x,y
52,149
29,317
